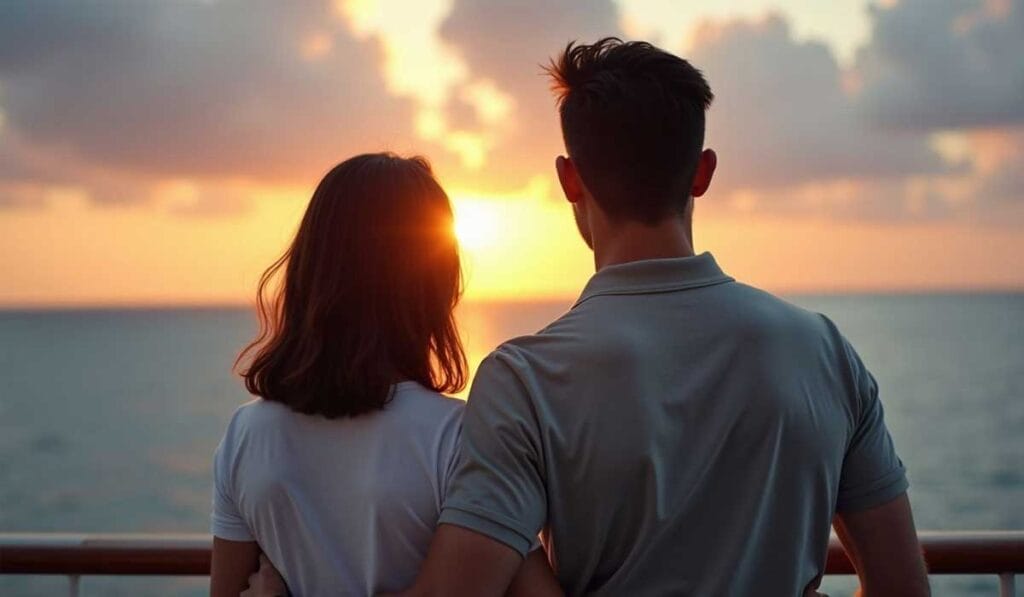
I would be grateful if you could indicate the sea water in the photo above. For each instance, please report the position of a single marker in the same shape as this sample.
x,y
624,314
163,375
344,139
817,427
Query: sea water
x,y
109,418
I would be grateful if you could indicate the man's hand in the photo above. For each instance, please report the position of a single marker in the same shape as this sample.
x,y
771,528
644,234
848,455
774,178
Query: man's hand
x,y
266,582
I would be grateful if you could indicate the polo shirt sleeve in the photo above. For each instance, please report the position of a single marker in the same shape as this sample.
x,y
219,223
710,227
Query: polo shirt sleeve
x,y
498,489
448,458
872,473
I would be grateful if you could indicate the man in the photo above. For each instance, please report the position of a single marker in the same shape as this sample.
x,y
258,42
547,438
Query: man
x,y
676,432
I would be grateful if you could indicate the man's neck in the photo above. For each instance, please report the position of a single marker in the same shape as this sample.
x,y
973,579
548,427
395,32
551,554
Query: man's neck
x,y
633,241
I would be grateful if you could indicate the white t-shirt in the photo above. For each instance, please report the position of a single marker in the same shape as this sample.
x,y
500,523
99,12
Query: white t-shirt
x,y
344,506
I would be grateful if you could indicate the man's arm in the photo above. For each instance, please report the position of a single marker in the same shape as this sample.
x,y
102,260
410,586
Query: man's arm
x,y
882,544
461,562
496,502
873,517
535,578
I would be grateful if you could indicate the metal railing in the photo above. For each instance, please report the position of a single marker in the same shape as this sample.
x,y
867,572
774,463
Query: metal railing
x,y
73,555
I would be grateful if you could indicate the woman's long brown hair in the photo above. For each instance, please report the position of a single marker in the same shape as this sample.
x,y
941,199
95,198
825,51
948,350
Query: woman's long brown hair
x,y
365,295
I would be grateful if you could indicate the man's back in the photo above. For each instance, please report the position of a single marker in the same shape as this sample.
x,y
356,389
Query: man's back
x,y
675,433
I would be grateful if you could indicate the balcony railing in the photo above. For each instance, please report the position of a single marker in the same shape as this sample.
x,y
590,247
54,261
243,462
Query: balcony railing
x,y
73,555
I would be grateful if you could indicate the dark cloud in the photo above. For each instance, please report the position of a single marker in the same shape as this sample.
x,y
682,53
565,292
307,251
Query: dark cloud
x,y
944,65
262,90
782,117
794,136
30,174
1007,182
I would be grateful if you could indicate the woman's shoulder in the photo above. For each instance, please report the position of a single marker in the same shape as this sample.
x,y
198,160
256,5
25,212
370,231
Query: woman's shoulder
x,y
412,397
427,419
258,408
412,405
257,413
417,407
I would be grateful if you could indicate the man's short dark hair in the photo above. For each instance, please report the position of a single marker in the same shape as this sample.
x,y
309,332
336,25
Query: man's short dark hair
x,y
633,122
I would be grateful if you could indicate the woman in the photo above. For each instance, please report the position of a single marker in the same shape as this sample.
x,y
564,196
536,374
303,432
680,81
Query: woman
x,y
337,471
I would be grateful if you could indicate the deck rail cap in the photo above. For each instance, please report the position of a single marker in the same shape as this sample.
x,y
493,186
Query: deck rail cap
x,y
106,540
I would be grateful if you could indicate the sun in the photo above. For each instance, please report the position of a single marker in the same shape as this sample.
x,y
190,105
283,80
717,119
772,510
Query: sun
x,y
476,222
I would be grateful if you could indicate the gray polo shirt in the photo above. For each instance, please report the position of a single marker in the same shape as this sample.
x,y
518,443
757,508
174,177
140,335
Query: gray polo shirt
x,y
674,433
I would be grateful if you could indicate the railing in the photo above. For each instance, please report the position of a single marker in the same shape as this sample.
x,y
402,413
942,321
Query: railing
x,y
74,555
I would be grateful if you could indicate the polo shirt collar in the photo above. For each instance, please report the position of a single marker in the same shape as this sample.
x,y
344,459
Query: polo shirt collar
x,y
651,276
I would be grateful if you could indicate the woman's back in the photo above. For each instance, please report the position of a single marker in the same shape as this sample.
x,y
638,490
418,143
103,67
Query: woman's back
x,y
337,473
341,506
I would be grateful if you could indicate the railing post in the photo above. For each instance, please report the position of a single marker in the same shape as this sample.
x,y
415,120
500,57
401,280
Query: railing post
x,y
1007,580
73,582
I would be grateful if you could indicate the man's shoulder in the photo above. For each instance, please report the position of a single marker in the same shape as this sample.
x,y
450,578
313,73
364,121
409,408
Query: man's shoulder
x,y
764,309
779,324
588,327
560,339
522,365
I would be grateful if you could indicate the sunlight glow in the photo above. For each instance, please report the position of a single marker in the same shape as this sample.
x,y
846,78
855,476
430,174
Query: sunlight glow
x,y
477,223
523,245
316,46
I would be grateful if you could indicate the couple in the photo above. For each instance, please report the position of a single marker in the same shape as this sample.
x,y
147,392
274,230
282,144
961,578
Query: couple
x,y
675,433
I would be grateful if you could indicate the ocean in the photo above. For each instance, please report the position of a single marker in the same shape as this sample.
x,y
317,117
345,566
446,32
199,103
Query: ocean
x,y
109,418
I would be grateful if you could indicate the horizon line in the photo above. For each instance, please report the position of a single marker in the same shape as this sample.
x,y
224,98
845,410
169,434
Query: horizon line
x,y
233,305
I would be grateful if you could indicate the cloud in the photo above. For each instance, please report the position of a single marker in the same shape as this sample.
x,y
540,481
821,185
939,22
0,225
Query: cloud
x,y
505,43
944,65
20,195
888,200
795,134
793,128
235,89
998,158
782,116
30,175
784,122
120,101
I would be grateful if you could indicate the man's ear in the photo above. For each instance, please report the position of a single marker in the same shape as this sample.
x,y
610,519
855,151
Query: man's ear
x,y
569,178
705,171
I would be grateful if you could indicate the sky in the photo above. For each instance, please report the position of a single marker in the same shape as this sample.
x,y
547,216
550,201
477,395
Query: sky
x,y
162,152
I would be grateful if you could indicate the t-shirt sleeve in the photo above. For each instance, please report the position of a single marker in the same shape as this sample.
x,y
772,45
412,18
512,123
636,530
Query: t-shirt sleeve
x,y
872,472
226,521
498,488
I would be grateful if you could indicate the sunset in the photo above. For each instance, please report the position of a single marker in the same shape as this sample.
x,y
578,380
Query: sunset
x,y
435,349
830,178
